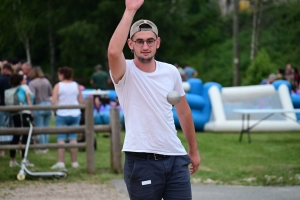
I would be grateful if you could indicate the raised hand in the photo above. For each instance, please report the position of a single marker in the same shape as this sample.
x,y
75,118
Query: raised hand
x,y
133,4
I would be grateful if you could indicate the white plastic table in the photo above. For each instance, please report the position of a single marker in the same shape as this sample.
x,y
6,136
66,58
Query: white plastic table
x,y
270,112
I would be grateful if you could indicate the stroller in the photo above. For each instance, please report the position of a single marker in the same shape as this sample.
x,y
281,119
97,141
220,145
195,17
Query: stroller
x,y
22,173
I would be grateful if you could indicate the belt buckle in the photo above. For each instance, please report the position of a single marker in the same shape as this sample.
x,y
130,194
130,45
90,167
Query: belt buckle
x,y
155,158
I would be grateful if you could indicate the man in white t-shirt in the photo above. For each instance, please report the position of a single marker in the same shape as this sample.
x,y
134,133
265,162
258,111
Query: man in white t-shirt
x,y
156,163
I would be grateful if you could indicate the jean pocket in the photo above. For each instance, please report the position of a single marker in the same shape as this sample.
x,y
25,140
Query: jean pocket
x,y
141,180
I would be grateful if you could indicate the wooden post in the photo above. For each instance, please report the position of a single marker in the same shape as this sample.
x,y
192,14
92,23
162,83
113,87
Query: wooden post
x,y
115,140
89,136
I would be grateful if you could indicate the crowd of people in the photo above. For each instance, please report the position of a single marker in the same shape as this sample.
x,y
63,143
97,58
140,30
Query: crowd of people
x,y
33,88
289,74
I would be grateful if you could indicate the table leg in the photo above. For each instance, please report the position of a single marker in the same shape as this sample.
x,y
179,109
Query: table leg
x,y
241,134
248,128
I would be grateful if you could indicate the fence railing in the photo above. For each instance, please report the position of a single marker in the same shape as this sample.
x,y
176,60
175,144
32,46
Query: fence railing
x,y
88,129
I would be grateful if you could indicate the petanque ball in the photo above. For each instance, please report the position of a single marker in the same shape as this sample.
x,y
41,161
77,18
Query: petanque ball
x,y
173,97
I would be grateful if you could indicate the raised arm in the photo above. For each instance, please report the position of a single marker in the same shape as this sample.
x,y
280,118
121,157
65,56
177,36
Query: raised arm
x,y
117,42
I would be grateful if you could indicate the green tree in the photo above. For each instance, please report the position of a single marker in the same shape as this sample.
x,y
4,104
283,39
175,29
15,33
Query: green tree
x,y
259,69
80,45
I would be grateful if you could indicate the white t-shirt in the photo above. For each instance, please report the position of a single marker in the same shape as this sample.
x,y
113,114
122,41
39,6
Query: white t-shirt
x,y
148,116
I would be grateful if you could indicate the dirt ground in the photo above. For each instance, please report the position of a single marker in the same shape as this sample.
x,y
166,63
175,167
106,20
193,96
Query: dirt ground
x,y
63,191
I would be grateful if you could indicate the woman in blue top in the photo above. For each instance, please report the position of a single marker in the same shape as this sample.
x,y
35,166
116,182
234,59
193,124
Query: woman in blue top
x,y
20,119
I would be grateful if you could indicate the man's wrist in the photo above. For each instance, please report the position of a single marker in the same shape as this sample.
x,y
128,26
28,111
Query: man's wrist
x,y
194,149
131,10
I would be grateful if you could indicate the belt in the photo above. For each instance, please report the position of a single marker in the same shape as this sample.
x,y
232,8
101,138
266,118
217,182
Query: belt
x,y
147,155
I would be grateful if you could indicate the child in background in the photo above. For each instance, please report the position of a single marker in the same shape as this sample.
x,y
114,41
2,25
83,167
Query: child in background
x,y
98,108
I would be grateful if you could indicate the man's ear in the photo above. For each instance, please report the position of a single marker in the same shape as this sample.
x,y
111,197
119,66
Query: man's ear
x,y
130,44
158,40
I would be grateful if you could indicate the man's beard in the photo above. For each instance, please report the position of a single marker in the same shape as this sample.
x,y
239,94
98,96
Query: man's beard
x,y
141,59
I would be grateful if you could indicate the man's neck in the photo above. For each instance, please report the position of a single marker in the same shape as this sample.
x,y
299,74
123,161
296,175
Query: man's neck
x,y
145,67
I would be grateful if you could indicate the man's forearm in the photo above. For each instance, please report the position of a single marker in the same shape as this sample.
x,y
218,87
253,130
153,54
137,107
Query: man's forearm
x,y
187,125
120,35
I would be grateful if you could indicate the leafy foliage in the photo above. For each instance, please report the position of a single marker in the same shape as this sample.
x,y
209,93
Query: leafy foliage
x,y
80,38
192,32
259,69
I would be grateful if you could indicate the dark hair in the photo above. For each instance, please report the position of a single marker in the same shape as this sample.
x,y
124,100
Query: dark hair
x,y
16,79
23,61
67,72
295,70
14,61
8,67
281,71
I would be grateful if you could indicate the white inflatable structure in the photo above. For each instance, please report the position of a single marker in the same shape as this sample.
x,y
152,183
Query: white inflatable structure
x,y
224,101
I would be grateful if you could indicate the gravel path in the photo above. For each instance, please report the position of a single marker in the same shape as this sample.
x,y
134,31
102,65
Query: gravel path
x,y
63,191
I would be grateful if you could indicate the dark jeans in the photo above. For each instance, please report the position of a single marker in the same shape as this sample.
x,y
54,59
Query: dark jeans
x,y
168,178
20,120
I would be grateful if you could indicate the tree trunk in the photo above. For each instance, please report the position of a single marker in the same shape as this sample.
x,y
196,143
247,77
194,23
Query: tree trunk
x,y
260,7
236,60
51,43
52,55
27,48
254,31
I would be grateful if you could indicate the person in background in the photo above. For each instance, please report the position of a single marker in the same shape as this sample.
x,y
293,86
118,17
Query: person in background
x,y
296,77
105,102
66,92
20,119
4,85
280,74
190,72
289,74
100,79
181,71
98,109
272,77
26,68
6,72
42,90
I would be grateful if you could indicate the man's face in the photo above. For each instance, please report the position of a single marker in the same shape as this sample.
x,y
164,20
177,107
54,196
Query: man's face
x,y
144,45
26,69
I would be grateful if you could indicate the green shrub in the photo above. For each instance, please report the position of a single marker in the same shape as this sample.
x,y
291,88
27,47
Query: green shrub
x,y
259,69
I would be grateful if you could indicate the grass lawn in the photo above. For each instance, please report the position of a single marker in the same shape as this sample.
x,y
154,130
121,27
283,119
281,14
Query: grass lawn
x,y
271,159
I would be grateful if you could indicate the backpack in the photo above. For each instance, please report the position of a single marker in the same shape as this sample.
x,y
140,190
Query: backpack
x,y
11,96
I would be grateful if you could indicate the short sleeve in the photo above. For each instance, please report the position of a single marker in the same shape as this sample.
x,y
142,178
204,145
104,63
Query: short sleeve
x,y
26,89
121,82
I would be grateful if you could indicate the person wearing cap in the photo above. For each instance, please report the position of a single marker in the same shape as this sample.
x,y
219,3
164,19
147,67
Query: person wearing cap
x,y
100,79
156,163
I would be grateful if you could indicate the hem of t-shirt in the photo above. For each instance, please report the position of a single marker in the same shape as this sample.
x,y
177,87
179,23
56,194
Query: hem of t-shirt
x,y
156,152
